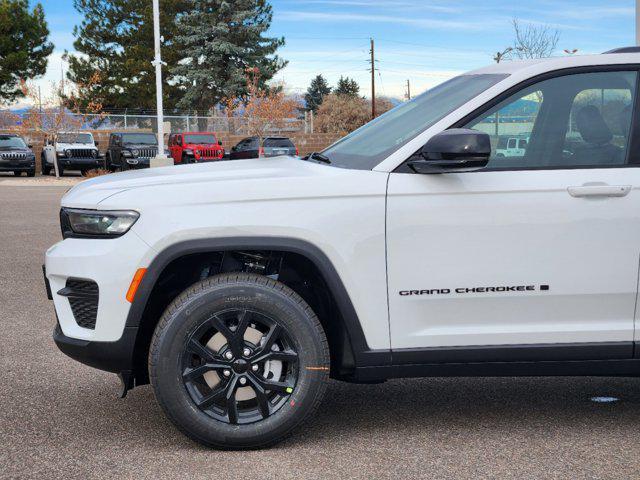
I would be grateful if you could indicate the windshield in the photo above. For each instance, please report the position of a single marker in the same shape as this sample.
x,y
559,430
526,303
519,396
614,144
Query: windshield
x,y
367,146
84,138
142,138
200,139
8,141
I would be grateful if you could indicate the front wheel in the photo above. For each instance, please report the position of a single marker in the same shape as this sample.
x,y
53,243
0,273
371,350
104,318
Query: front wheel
x,y
239,361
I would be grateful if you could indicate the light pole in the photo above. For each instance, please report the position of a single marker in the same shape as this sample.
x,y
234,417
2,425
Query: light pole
x,y
160,159
638,22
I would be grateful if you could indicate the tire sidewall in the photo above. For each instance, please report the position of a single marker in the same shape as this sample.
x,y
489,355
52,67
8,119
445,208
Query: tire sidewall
x,y
292,315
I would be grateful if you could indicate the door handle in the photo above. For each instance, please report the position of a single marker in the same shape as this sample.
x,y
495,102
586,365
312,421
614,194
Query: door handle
x,y
599,191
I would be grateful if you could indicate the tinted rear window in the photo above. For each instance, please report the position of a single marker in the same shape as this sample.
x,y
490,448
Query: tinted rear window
x,y
278,143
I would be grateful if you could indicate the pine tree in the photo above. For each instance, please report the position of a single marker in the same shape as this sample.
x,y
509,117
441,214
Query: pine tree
x,y
23,46
115,43
347,86
318,89
223,43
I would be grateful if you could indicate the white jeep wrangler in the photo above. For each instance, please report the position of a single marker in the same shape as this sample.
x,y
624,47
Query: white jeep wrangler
x,y
73,150
406,249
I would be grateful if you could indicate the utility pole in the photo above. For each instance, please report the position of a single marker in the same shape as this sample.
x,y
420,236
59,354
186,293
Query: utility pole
x,y
409,89
638,22
373,80
160,159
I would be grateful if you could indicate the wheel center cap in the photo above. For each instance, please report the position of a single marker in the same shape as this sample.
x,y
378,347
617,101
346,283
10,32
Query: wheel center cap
x,y
240,366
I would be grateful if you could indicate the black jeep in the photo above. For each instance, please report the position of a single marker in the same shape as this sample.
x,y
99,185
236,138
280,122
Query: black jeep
x,y
128,150
16,156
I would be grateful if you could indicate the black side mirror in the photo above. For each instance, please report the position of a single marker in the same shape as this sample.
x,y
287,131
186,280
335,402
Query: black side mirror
x,y
30,145
220,142
454,150
96,143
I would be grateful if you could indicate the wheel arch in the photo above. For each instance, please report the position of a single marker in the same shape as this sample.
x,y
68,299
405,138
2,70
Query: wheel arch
x,y
348,344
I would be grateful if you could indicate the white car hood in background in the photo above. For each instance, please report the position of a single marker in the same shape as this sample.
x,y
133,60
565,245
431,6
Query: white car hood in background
x,y
61,147
168,180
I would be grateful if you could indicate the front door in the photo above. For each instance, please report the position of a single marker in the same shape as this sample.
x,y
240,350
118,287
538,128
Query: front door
x,y
541,248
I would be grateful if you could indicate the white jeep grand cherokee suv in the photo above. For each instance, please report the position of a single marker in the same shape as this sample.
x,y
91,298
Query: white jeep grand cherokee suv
x,y
406,249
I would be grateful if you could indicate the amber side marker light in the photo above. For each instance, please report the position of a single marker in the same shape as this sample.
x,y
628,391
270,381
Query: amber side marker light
x,y
135,283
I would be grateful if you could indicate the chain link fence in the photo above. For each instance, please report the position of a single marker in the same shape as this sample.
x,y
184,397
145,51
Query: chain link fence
x,y
177,123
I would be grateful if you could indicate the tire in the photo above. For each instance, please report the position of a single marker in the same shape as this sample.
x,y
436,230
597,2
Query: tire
x,y
17,173
60,171
46,171
208,310
31,173
108,164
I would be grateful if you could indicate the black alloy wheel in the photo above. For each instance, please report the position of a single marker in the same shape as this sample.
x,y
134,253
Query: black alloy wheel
x,y
239,361
239,381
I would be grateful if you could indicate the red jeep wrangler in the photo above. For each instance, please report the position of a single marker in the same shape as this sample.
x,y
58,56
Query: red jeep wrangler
x,y
194,147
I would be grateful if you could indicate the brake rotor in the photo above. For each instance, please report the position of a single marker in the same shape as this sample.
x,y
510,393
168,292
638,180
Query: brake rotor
x,y
272,368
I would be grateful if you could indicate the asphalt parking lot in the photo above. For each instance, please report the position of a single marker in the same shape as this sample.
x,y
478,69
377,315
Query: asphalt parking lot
x,y
60,419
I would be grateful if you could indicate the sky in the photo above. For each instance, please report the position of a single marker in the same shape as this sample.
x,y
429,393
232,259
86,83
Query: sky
x,y
423,41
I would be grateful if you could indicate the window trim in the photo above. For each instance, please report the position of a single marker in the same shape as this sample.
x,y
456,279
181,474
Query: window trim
x,y
633,158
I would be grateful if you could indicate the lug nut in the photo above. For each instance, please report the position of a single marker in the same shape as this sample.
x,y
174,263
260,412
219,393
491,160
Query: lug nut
x,y
228,355
243,380
226,373
246,352
255,367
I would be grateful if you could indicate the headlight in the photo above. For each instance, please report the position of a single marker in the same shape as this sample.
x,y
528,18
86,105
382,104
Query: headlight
x,y
96,224
135,153
67,153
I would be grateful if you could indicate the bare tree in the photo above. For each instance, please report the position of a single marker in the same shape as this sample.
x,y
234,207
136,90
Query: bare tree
x,y
533,41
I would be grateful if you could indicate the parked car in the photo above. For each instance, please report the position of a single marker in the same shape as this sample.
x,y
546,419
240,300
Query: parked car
x,y
129,150
74,151
195,147
406,249
255,147
511,146
16,156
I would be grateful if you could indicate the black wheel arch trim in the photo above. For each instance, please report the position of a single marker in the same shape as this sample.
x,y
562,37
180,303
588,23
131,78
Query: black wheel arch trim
x,y
364,356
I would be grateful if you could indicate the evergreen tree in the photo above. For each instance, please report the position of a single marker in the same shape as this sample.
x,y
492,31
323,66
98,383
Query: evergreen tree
x,y
23,46
223,44
347,86
115,43
318,89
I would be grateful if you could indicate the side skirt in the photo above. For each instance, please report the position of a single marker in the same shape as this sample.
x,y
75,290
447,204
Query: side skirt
x,y
579,359
628,368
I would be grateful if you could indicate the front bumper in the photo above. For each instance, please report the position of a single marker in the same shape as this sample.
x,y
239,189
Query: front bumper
x,y
80,163
111,264
133,163
17,166
116,357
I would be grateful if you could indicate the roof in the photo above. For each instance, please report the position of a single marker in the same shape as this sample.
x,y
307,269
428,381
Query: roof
x,y
556,63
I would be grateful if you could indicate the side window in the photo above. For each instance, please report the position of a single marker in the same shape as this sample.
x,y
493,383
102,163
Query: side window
x,y
569,121
178,140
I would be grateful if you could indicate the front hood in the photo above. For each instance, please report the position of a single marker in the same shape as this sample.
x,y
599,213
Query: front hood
x,y
14,150
211,175
71,146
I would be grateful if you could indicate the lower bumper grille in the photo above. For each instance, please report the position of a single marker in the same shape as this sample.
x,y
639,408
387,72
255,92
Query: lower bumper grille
x,y
83,297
